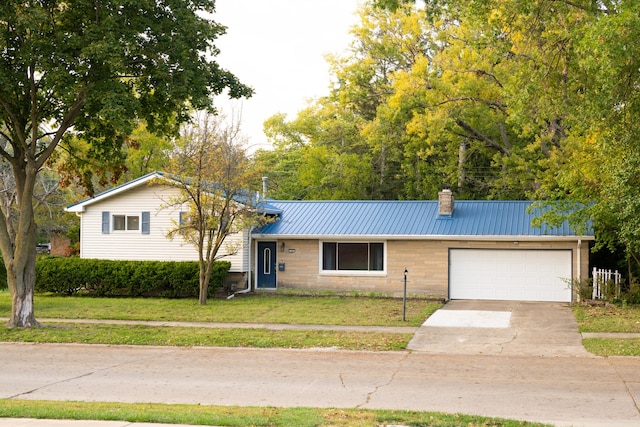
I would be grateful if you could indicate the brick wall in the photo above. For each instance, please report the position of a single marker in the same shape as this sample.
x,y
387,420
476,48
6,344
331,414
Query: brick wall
x,y
59,245
427,263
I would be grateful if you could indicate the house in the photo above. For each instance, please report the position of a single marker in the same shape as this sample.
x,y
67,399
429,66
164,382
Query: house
x,y
449,249
131,222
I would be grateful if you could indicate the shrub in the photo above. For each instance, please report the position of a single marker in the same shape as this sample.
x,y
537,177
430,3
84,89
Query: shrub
x,y
631,298
70,276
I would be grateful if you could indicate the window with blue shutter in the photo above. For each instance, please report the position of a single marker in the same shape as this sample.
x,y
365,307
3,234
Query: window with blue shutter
x,y
183,218
146,223
105,222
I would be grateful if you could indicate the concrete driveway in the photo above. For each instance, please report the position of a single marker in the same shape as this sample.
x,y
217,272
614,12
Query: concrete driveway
x,y
513,328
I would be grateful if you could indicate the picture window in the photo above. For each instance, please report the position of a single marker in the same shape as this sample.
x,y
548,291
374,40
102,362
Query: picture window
x,y
360,256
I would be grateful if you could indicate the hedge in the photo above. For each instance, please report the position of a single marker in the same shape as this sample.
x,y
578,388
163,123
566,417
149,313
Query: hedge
x,y
70,276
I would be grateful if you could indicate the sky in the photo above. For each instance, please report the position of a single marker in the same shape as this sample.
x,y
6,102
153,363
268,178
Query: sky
x,y
278,47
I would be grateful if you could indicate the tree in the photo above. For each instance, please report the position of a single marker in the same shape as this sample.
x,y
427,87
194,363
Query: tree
x,y
349,145
319,155
89,70
146,152
602,170
209,166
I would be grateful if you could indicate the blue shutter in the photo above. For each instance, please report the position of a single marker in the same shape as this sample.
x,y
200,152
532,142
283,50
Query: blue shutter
x,y
146,223
105,222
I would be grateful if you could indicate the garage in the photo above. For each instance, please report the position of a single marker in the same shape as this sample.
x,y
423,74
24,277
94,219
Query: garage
x,y
515,275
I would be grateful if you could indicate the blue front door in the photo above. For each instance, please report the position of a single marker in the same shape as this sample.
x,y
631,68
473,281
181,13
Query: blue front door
x,y
267,265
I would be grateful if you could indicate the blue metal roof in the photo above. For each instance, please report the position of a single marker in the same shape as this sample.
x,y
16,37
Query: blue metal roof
x,y
406,218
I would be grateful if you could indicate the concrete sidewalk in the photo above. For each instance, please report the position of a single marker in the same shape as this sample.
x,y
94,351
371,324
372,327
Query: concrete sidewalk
x,y
225,325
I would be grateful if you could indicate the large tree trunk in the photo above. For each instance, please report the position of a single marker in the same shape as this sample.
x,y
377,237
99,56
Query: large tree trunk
x,y
21,278
22,283
204,284
18,246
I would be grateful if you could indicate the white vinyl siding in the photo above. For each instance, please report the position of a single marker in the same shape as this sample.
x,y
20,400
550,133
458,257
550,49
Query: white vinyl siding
x,y
149,242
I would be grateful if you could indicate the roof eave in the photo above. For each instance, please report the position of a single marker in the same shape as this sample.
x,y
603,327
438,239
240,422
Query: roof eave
x,y
506,238
80,206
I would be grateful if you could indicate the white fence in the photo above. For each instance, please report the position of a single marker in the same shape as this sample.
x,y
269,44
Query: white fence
x,y
606,283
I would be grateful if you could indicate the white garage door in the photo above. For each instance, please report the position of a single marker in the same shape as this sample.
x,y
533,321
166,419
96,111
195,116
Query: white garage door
x,y
516,275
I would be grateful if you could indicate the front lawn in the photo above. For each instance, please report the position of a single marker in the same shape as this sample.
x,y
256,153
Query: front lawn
x,y
609,318
320,310
612,318
325,310
204,337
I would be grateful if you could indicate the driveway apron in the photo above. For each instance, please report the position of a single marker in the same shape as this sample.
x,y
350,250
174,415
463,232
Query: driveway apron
x,y
513,328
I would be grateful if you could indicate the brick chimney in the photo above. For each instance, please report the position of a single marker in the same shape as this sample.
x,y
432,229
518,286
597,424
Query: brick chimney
x,y
445,203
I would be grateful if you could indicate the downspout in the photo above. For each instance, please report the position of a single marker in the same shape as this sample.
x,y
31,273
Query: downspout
x,y
579,259
250,243
249,276
79,215
579,267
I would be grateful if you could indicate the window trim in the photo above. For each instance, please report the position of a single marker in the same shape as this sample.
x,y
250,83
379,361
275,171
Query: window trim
x,y
337,272
126,223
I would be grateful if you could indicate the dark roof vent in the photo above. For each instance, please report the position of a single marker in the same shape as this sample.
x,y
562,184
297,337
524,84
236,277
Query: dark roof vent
x,y
445,203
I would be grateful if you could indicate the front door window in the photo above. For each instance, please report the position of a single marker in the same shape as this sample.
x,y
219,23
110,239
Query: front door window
x,y
266,261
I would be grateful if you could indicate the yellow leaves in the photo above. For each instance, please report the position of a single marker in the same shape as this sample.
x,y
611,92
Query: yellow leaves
x,y
495,17
409,85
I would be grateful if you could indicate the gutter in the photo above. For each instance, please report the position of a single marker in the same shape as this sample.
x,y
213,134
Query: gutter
x,y
445,237
579,265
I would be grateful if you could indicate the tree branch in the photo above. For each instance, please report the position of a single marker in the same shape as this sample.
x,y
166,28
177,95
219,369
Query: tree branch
x,y
16,125
493,104
71,115
479,72
476,134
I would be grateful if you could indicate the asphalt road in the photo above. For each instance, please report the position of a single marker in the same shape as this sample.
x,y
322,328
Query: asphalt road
x,y
560,390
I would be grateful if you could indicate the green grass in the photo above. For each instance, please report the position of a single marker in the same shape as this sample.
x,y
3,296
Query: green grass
x,y
325,310
612,346
612,318
241,416
188,336
608,319
284,309
332,310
